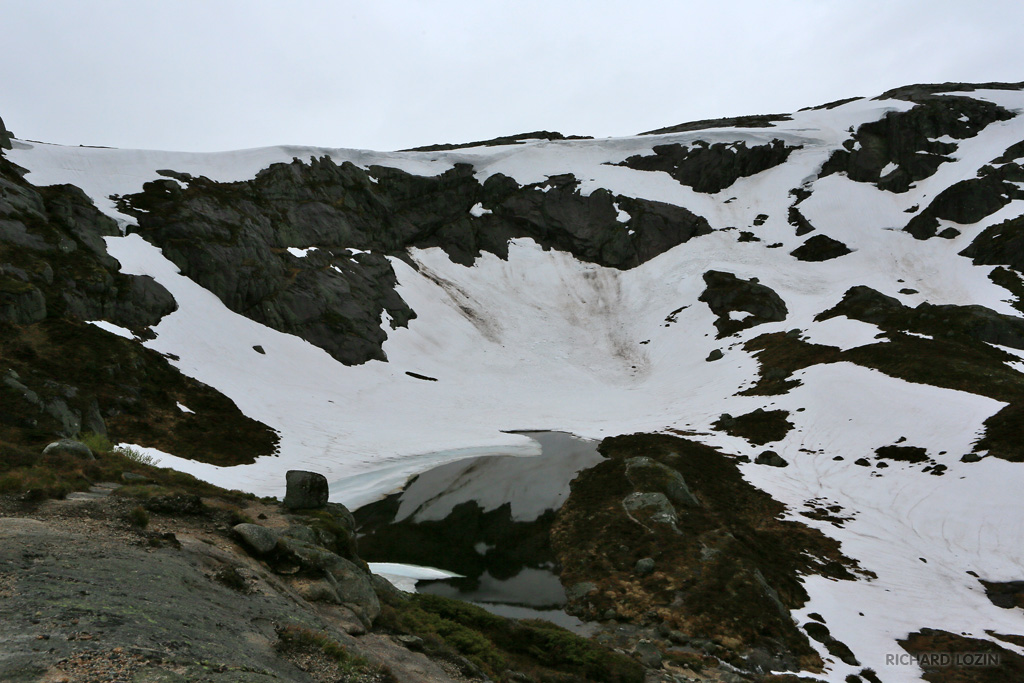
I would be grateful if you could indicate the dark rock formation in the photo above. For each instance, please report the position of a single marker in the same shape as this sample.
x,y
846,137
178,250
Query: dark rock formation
x,y
770,458
758,427
740,304
233,238
909,140
54,263
728,570
902,453
820,248
63,376
503,140
756,121
969,201
711,167
305,490
947,321
5,137
1001,244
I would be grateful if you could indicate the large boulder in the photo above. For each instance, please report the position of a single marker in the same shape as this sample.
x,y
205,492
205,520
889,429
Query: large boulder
x,y
305,490
69,447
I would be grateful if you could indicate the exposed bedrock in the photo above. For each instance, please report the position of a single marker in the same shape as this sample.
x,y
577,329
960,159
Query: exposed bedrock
x,y
249,242
63,377
904,147
740,304
711,167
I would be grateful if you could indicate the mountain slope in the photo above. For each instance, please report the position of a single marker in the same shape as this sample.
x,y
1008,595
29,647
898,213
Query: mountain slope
x,y
852,268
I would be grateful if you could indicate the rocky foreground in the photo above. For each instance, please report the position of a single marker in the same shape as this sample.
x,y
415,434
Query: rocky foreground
x,y
146,580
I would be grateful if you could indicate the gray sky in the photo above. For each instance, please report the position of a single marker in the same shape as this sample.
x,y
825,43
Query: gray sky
x,y
388,74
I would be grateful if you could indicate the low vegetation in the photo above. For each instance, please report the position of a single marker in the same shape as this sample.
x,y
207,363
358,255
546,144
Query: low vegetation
x,y
498,646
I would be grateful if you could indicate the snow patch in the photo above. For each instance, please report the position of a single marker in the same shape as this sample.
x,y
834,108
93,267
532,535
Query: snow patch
x,y
112,328
478,210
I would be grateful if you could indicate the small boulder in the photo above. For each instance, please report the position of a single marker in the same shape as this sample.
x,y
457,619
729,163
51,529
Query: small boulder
x,y
69,447
644,567
578,590
716,354
305,490
771,458
648,654
259,538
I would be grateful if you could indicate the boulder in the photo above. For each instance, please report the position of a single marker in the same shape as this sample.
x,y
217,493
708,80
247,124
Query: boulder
x,y
771,458
648,654
578,590
657,504
305,490
258,538
644,472
644,566
69,447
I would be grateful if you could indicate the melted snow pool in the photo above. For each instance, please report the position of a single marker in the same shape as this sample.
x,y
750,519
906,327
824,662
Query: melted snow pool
x,y
486,520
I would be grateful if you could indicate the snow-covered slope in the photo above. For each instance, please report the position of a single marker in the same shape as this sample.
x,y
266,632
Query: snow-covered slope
x,y
544,341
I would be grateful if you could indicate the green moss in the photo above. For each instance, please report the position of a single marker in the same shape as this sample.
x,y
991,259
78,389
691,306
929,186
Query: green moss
x,y
293,637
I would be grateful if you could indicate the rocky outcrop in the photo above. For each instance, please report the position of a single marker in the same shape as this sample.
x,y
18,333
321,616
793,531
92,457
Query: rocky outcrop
x,y
973,322
820,248
1001,244
756,121
740,304
725,570
904,147
711,167
303,247
5,137
54,263
759,426
969,201
500,141
63,377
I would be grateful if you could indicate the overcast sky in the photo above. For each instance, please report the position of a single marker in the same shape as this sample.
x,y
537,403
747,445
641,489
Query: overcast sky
x,y
389,74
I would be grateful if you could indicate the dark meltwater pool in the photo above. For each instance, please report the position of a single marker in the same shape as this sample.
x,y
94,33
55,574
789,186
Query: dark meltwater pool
x,y
487,519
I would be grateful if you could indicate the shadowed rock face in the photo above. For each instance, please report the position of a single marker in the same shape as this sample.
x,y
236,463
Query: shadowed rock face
x,y
233,238
969,201
711,168
62,376
740,304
